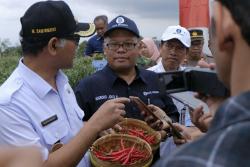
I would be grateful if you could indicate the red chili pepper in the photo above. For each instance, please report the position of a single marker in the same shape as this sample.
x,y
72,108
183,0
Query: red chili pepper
x,y
127,159
120,151
122,144
125,156
140,133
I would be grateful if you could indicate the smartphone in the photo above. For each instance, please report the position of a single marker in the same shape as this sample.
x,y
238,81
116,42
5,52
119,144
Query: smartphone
x,y
174,131
142,106
164,119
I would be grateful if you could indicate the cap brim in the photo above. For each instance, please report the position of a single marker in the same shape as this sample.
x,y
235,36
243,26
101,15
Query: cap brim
x,y
175,37
85,29
117,28
197,38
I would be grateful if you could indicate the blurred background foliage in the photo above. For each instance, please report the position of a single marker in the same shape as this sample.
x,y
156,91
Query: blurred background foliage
x,y
9,57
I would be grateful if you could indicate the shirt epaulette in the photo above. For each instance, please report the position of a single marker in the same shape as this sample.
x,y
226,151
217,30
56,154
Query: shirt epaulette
x,y
9,88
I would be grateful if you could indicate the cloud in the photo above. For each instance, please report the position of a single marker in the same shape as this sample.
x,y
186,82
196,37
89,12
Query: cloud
x,y
142,8
151,16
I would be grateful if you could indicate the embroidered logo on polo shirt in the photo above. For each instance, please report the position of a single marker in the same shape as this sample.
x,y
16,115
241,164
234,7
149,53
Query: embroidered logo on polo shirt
x,y
150,93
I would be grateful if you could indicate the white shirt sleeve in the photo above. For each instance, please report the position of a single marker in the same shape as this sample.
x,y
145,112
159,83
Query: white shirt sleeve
x,y
16,130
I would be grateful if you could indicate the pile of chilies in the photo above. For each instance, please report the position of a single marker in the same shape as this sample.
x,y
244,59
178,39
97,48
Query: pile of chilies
x,y
140,133
124,156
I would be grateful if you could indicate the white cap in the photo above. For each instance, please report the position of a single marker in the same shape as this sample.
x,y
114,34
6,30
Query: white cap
x,y
177,32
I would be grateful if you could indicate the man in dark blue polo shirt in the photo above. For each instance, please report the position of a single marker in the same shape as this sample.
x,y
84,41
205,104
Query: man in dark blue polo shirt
x,y
121,77
95,44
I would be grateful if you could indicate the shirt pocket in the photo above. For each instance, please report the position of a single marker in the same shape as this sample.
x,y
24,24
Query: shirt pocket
x,y
79,112
55,132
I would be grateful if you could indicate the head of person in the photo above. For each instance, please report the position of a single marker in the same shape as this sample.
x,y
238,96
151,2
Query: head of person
x,y
44,32
230,38
101,23
121,43
149,49
197,42
175,42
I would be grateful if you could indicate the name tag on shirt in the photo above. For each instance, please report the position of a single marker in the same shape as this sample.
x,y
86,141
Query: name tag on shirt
x,y
49,120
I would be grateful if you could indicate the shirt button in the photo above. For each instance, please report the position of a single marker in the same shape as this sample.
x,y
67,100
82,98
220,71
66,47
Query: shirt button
x,y
68,91
57,135
19,81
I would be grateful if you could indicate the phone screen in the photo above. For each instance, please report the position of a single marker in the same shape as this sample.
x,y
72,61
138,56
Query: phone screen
x,y
173,81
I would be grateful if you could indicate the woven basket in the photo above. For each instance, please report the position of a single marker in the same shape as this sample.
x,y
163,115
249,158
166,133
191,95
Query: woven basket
x,y
129,123
112,142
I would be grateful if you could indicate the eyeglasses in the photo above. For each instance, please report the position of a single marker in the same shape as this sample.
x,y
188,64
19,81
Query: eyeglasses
x,y
74,38
124,45
171,46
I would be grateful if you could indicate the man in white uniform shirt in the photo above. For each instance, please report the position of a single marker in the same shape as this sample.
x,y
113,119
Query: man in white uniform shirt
x,y
37,105
175,43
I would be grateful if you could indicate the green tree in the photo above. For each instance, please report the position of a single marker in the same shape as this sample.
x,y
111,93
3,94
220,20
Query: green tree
x,y
4,44
7,65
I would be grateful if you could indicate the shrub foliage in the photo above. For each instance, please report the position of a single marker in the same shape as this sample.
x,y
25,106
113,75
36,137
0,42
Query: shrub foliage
x,y
9,57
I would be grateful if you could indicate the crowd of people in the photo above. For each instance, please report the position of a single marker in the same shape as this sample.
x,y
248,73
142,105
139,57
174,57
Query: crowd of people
x,y
44,122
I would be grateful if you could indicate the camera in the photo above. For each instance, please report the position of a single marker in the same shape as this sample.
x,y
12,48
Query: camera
x,y
202,80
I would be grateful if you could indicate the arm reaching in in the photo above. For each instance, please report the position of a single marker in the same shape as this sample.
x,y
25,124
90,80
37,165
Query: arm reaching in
x,y
20,157
109,114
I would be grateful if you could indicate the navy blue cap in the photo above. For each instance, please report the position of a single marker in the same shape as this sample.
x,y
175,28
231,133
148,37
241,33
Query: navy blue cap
x,y
122,22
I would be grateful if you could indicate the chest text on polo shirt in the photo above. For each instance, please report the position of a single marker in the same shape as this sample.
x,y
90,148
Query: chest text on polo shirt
x,y
150,93
105,97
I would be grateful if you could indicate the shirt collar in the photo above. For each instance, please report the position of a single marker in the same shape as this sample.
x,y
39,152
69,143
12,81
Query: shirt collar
x,y
99,37
143,74
181,68
113,76
161,68
36,82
